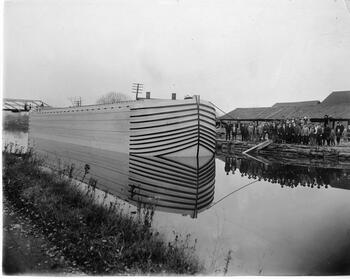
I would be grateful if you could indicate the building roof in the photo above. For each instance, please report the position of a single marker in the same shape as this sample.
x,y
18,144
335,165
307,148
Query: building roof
x,y
337,97
296,104
245,112
336,105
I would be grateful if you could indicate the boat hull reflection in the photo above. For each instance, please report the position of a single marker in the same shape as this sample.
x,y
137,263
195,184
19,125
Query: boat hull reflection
x,y
183,185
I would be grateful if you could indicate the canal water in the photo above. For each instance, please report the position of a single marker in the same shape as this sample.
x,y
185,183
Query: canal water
x,y
270,229
267,218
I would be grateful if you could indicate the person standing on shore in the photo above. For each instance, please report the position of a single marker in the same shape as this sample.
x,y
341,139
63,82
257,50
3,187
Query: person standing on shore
x,y
228,131
230,125
312,135
281,132
327,134
241,128
234,131
293,133
319,134
305,134
339,131
332,136
260,131
325,120
250,131
297,129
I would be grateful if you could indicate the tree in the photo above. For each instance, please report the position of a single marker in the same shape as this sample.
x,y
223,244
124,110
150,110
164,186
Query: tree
x,y
111,98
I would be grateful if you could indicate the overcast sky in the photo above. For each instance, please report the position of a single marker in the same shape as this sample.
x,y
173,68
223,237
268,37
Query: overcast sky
x,y
234,53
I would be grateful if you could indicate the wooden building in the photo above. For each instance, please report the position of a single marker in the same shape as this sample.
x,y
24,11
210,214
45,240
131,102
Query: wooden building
x,y
336,106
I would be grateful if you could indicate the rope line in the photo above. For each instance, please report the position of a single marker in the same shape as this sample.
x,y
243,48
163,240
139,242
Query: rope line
x,y
218,108
225,113
241,188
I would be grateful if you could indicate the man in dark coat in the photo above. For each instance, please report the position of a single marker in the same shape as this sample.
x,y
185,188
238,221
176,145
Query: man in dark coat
x,y
228,127
327,134
339,129
234,131
325,121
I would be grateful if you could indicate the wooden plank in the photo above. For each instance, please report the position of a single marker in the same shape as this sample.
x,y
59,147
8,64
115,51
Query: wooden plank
x,y
258,146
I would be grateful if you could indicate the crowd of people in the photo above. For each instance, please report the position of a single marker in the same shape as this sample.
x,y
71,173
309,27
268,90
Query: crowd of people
x,y
285,175
296,131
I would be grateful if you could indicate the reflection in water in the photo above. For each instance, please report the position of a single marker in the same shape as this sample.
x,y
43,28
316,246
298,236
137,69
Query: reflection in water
x,y
287,174
172,184
269,230
177,185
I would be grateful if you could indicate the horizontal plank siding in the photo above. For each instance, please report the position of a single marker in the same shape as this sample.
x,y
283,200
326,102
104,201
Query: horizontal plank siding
x,y
140,151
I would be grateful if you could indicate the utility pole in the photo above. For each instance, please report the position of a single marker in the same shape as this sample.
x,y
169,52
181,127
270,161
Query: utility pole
x,y
76,101
137,89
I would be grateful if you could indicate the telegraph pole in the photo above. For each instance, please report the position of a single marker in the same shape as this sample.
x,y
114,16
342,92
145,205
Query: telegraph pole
x,y
137,89
76,101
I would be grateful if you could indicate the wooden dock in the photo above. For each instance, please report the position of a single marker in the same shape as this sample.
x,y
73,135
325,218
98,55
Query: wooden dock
x,y
339,153
258,147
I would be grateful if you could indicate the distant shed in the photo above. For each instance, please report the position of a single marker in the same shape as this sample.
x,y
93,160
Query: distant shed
x,y
336,105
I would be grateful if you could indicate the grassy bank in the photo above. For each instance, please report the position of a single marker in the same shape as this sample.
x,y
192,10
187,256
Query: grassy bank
x,y
97,239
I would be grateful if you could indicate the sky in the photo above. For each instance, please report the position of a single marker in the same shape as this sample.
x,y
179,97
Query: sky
x,y
234,53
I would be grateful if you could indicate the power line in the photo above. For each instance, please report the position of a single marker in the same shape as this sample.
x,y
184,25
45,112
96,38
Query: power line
x,y
76,101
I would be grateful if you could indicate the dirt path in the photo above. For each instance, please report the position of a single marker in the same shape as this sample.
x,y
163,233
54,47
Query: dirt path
x,y
25,249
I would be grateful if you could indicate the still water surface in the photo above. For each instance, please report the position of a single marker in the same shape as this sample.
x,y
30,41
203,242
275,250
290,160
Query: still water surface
x,y
270,229
276,219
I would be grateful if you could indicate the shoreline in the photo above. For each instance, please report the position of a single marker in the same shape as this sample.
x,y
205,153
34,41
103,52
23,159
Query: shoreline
x,y
97,239
340,153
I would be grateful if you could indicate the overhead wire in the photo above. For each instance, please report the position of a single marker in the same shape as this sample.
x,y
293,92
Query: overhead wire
x,y
225,113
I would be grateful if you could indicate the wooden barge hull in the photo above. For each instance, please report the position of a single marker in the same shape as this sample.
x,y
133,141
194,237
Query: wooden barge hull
x,y
157,152
178,128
